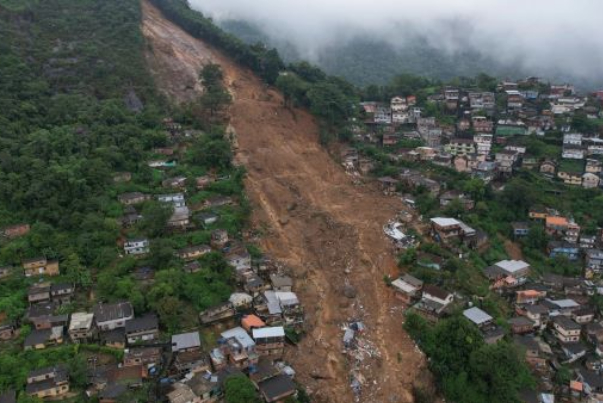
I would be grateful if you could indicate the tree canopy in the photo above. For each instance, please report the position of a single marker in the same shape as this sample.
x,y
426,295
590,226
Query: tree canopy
x,y
239,389
464,364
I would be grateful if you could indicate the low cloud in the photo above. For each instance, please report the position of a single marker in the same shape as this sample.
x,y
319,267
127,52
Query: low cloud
x,y
549,36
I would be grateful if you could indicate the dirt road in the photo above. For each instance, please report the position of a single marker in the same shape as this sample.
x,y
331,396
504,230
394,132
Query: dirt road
x,y
325,229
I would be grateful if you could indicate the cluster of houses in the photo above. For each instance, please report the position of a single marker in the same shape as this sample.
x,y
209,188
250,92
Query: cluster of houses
x,y
259,316
182,216
580,163
480,141
554,320
567,239
554,323
429,300
196,373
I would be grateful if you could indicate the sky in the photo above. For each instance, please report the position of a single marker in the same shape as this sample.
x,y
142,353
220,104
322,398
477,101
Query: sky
x,y
540,35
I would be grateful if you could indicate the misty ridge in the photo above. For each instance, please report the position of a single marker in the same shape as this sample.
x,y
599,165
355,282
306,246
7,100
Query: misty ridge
x,y
371,42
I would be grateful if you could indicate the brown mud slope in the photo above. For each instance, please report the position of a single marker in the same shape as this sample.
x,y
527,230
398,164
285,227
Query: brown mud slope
x,y
328,231
513,250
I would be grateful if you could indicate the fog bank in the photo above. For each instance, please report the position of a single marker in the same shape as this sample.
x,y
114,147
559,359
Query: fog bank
x,y
546,37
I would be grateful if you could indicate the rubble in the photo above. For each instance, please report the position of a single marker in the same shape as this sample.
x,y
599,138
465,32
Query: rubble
x,y
394,231
349,291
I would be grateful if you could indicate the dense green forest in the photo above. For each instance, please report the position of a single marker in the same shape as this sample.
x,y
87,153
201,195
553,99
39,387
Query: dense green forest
x,y
365,60
74,108
77,107
469,370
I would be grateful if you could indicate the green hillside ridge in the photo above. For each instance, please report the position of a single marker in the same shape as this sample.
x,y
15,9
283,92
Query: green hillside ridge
x,y
372,61
77,107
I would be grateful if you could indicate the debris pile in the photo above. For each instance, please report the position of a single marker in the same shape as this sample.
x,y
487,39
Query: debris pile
x,y
395,231
360,352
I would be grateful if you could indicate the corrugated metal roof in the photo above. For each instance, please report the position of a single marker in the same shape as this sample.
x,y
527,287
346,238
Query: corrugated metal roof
x,y
511,266
477,316
404,286
445,222
565,303
265,332
286,298
272,303
185,340
240,335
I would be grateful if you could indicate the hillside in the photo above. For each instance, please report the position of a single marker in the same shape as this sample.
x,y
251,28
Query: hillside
x,y
71,114
364,60
312,218
83,133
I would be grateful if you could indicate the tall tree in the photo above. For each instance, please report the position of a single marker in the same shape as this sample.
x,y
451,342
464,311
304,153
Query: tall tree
x,y
76,272
212,153
216,97
211,76
239,389
155,217
293,88
330,103
272,64
502,381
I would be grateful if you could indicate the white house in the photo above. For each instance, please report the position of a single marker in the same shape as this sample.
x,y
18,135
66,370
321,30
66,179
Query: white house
x,y
176,199
515,268
399,104
594,145
566,105
573,139
437,295
240,260
483,143
241,336
139,246
572,152
400,117
81,326
590,181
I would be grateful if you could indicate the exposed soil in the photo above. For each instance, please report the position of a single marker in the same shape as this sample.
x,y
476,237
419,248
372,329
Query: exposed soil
x,y
327,230
513,250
